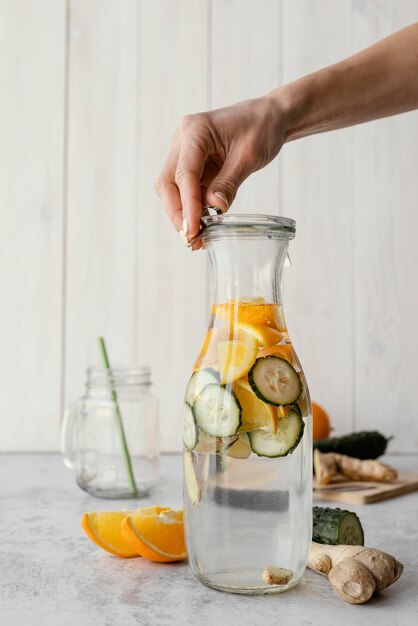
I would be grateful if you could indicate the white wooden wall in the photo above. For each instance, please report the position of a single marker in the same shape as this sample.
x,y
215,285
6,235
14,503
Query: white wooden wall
x,y
90,93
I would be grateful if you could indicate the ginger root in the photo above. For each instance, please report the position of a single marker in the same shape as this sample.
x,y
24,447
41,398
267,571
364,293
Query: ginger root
x,y
355,572
277,575
328,465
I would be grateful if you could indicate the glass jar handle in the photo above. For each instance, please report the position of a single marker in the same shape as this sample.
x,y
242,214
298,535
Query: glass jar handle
x,y
68,424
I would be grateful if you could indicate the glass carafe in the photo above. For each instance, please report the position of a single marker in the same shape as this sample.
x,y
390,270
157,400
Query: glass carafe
x,y
247,420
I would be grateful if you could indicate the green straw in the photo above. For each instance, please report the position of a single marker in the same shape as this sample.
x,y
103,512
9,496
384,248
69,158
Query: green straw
x,y
119,421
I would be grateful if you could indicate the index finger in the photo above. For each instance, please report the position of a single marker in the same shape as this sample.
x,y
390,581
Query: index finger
x,y
190,167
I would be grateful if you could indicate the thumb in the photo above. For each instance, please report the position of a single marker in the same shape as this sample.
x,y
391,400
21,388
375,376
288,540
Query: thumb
x,y
223,188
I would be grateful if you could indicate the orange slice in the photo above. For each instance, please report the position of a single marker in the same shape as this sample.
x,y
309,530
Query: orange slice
x,y
285,351
236,357
251,311
158,536
265,336
255,413
104,529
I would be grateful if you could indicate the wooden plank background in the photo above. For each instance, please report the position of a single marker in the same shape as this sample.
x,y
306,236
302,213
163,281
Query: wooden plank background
x,y
92,91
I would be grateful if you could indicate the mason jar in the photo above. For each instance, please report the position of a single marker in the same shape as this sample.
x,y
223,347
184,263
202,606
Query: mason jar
x,y
109,437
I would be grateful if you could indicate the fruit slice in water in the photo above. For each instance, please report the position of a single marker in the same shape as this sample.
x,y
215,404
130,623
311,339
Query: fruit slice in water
x,y
284,351
255,413
190,432
217,411
264,335
194,489
157,536
208,356
240,449
250,310
198,381
213,445
275,380
236,358
289,433
104,529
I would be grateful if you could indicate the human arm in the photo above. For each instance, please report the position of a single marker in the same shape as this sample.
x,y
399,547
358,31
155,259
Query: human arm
x,y
213,153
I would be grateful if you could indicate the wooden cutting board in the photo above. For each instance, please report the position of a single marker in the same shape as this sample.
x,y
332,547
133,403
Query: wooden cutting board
x,y
362,492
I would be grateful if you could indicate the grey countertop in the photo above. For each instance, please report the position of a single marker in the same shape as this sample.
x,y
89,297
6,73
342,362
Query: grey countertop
x,y
51,574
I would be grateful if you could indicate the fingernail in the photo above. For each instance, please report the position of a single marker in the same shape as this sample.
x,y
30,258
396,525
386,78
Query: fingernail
x,y
183,237
185,226
222,197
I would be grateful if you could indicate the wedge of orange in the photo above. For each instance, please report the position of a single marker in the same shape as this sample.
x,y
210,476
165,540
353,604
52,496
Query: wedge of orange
x,y
255,413
157,536
104,529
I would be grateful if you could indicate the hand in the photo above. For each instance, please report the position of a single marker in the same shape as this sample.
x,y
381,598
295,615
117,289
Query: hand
x,y
212,154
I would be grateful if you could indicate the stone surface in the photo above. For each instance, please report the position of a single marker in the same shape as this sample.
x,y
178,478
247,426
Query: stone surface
x,y
51,574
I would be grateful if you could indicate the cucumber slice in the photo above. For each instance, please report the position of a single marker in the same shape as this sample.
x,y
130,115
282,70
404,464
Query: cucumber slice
x,y
218,411
274,380
190,432
287,438
198,381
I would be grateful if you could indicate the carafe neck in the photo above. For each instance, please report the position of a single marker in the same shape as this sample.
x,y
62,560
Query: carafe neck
x,y
247,268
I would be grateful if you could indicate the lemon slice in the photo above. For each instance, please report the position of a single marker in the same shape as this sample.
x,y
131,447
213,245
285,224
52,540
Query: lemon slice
x,y
255,413
264,335
236,357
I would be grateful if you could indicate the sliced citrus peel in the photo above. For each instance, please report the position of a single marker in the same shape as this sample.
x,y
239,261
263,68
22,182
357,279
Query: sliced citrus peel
x,y
104,530
158,538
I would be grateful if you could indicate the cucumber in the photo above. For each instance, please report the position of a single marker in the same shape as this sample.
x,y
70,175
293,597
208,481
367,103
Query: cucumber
x,y
218,411
275,381
198,381
362,445
289,433
336,526
190,432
